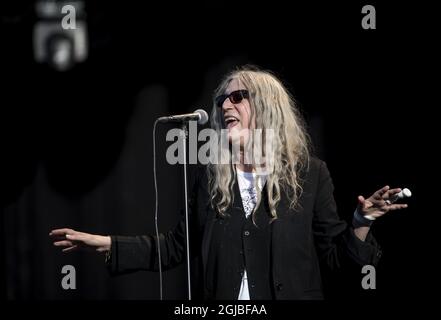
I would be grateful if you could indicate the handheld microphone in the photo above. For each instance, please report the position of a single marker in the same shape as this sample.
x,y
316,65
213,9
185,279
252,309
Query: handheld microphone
x,y
201,116
405,193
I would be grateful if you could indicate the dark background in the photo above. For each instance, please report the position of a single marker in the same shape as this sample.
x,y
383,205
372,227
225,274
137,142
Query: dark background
x,y
77,146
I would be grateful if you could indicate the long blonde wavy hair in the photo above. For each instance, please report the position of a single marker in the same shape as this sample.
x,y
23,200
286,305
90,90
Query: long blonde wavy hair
x,y
274,108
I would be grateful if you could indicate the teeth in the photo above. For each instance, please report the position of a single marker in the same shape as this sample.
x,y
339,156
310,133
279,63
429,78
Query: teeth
x,y
229,119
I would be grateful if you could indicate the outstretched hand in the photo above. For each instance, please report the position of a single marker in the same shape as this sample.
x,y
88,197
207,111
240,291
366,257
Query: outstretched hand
x,y
71,240
379,203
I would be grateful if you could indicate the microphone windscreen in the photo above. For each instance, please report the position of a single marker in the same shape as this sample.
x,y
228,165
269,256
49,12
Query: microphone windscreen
x,y
203,116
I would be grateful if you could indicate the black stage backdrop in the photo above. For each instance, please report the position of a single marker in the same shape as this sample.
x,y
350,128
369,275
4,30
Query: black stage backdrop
x,y
77,146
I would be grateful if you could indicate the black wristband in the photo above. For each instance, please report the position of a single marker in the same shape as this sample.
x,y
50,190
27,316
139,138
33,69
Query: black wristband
x,y
360,221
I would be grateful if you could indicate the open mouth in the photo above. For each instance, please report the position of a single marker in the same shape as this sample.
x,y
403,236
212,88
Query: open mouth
x,y
231,121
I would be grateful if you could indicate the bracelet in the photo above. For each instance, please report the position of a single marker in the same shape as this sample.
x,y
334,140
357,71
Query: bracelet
x,y
108,257
361,220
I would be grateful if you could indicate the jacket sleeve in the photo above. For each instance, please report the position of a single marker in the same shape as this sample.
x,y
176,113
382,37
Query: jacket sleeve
x,y
129,254
335,239
134,253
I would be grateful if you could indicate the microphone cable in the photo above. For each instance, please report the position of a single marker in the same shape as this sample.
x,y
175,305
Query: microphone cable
x,y
158,245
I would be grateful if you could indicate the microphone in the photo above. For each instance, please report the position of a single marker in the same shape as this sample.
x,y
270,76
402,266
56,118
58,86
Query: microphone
x,y
201,116
405,193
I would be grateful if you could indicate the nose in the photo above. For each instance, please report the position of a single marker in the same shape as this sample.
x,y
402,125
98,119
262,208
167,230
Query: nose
x,y
227,105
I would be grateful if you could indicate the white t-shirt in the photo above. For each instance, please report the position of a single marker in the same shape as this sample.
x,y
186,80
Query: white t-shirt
x,y
248,193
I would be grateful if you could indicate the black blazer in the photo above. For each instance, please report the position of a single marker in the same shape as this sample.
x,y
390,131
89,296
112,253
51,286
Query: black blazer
x,y
302,239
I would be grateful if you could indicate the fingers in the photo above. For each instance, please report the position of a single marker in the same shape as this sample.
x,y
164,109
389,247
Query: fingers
x,y
371,205
384,196
361,201
378,195
77,236
61,232
69,239
363,204
66,237
63,243
58,235
375,202
390,193
385,193
72,248
66,233
393,207
58,238
379,211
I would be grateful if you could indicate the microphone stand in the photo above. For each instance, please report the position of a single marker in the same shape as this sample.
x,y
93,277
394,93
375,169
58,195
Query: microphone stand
x,y
184,134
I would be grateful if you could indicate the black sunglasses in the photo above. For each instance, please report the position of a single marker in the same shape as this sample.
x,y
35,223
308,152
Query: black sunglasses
x,y
235,97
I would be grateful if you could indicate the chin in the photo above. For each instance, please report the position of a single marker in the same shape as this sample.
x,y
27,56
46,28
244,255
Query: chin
x,y
233,136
